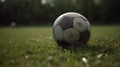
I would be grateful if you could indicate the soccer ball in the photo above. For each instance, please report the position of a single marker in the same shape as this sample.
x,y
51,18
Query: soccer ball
x,y
71,29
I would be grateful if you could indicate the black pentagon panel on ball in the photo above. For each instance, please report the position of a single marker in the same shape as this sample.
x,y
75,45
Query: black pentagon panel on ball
x,y
66,22
84,37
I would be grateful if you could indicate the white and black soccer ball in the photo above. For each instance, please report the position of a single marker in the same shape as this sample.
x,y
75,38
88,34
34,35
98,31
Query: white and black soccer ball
x,y
71,29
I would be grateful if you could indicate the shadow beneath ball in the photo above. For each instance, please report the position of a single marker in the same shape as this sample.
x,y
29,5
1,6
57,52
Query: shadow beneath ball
x,y
88,48
70,46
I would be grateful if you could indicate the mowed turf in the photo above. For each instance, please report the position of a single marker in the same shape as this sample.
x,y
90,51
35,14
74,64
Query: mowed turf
x,y
35,47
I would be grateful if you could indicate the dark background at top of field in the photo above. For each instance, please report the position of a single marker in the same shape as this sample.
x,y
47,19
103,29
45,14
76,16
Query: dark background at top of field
x,y
34,12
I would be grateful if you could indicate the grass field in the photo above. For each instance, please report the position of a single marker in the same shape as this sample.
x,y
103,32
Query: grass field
x,y
35,47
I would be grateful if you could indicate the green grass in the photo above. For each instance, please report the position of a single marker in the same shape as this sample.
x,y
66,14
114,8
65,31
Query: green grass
x,y
35,47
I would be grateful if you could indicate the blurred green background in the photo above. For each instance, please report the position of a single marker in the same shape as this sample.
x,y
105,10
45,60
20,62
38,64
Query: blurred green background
x,y
31,44
34,12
